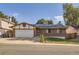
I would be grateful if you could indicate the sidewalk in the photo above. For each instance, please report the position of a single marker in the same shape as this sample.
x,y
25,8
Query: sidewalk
x,y
5,41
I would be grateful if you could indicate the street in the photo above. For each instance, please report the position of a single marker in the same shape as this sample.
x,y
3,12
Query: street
x,y
28,49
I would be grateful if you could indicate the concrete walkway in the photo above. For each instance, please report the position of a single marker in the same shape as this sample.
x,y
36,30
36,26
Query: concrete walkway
x,y
25,42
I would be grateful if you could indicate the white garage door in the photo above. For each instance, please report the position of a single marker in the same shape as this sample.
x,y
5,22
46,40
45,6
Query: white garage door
x,y
24,33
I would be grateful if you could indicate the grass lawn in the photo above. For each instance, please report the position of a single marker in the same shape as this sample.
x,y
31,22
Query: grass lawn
x,y
58,40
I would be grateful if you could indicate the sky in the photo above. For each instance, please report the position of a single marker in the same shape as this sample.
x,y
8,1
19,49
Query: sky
x,y
31,12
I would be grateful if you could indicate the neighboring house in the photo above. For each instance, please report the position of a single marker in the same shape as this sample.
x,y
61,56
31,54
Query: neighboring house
x,y
32,30
5,30
71,32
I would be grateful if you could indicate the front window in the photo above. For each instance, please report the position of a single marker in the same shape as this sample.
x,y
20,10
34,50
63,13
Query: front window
x,y
59,31
48,31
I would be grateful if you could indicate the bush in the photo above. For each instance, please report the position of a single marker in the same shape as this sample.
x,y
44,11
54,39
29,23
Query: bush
x,y
42,38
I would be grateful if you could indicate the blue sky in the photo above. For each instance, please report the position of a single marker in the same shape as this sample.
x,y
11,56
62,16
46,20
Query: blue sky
x,y
30,12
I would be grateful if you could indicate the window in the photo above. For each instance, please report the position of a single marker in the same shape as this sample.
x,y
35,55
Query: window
x,y
59,31
48,31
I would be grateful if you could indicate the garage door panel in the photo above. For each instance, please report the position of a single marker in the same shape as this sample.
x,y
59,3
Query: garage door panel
x,y
24,33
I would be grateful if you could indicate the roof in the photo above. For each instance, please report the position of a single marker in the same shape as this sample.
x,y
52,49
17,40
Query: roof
x,y
50,26
75,26
22,24
44,26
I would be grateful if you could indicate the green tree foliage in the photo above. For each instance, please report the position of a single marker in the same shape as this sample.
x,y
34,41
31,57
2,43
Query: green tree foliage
x,y
59,22
2,15
43,21
71,14
50,22
40,21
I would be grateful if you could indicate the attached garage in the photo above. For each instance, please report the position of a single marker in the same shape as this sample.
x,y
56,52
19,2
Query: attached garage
x,y
23,30
24,33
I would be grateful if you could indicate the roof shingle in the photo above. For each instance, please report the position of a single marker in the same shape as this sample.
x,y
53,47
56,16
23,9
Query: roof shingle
x,y
50,25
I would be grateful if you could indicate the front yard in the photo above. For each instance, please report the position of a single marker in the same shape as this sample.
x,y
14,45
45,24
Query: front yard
x,y
62,41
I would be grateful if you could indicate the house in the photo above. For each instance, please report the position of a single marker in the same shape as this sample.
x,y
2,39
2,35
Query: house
x,y
32,30
5,30
71,32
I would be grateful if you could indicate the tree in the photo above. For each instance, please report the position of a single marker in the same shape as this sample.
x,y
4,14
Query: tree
x,y
59,22
43,21
2,15
14,19
40,21
50,22
67,13
71,14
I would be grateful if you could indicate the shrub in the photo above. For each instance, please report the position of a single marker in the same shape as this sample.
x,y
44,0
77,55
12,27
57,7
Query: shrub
x,y
42,38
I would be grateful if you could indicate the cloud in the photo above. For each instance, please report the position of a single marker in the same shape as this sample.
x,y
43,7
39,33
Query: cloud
x,y
15,14
59,18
